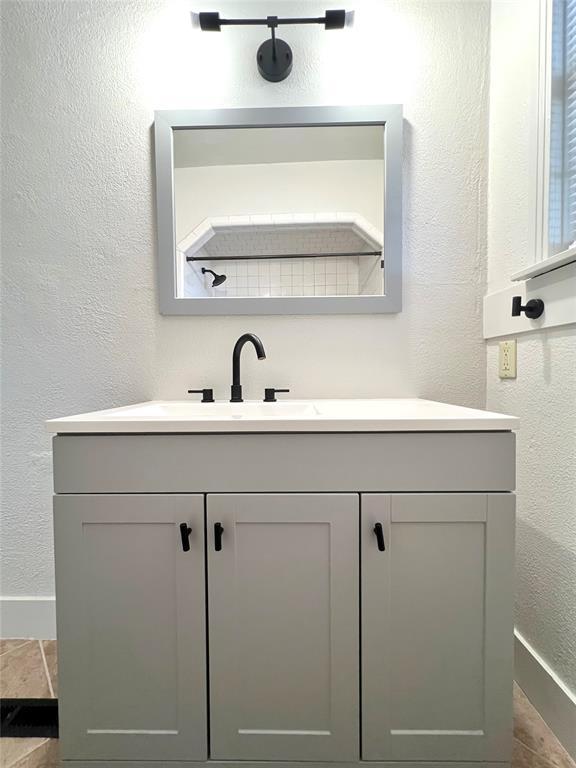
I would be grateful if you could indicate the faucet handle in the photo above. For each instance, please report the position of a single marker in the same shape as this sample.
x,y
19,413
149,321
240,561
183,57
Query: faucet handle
x,y
270,394
207,394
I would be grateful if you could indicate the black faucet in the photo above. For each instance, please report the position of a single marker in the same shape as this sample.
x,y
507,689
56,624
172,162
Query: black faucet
x,y
236,389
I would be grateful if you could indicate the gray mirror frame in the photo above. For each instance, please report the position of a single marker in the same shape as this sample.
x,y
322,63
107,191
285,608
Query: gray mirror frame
x,y
389,116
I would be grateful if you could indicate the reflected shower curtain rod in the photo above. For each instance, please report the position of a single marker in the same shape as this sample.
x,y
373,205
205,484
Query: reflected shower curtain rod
x,y
283,256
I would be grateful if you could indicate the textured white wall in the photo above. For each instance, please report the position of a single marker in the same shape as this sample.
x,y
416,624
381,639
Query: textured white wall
x,y
544,394
514,47
81,324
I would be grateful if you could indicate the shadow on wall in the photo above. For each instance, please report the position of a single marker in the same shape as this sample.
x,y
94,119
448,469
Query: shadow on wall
x,y
546,341
544,616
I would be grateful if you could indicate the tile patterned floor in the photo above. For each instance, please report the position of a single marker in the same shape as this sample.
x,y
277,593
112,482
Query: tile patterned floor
x,y
28,669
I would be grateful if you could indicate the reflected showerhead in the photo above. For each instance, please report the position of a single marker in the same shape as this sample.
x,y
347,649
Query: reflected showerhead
x,y
218,279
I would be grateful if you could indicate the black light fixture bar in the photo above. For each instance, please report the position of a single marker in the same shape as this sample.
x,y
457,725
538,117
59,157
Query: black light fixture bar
x,y
267,23
210,21
283,256
274,56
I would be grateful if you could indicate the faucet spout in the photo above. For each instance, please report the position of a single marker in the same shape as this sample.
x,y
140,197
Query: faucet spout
x,y
236,390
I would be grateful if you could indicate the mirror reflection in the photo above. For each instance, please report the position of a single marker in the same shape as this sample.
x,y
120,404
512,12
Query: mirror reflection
x,y
267,212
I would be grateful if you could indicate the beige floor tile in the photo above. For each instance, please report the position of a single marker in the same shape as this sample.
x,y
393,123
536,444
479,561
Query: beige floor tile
x,y
533,733
22,673
45,756
522,757
12,750
9,645
51,656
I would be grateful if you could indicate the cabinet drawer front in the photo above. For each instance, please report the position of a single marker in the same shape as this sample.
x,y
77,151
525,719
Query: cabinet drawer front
x,y
271,463
283,626
437,626
131,627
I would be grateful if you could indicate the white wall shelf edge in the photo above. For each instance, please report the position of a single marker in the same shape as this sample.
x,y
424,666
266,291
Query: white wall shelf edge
x,y
547,265
557,289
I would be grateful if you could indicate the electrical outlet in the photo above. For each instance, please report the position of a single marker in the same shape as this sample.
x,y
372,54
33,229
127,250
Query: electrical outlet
x,y
507,359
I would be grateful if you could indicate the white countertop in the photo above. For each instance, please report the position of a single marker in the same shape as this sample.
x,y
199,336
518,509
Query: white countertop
x,y
389,415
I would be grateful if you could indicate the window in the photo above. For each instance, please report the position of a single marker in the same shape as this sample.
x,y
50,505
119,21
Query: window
x,y
555,242
562,150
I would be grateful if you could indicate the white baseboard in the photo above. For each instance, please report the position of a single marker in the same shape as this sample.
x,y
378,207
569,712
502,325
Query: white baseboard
x,y
553,700
33,617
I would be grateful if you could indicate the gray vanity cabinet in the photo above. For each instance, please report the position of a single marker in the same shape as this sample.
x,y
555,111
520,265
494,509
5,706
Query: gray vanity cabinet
x,y
131,627
307,637
283,597
437,626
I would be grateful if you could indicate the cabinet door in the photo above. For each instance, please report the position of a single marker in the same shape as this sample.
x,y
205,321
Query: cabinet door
x,y
131,627
437,627
283,598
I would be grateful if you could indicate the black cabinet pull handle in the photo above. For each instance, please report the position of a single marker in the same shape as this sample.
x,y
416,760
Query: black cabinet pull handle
x,y
185,532
218,531
380,537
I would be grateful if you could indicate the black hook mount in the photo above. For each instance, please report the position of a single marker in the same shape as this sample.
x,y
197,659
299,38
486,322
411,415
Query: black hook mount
x,y
532,309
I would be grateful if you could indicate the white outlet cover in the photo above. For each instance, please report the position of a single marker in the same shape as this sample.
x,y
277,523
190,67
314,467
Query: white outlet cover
x,y
507,359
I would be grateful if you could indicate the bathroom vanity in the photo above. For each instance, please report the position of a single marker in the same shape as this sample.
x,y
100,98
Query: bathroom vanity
x,y
296,582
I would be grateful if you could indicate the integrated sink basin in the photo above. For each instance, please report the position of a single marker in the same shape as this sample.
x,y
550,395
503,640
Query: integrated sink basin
x,y
378,415
181,410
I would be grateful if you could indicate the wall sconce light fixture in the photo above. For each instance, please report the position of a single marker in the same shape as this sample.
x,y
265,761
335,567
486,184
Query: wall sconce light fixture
x,y
274,56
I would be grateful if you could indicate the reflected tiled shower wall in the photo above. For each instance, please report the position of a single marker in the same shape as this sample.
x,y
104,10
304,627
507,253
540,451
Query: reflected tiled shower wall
x,y
322,254
320,276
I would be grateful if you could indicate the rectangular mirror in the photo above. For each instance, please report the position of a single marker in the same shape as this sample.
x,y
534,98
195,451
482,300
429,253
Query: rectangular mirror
x,y
279,211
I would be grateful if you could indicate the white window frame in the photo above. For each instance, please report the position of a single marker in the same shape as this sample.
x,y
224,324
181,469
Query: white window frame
x,y
543,262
